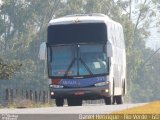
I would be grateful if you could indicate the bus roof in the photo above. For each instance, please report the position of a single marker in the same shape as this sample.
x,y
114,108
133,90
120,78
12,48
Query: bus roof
x,y
83,18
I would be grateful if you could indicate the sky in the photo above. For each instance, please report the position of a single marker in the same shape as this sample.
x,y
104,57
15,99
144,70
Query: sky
x,y
0,2
154,39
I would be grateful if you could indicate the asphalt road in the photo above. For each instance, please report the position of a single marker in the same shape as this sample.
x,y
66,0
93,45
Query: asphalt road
x,y
62,113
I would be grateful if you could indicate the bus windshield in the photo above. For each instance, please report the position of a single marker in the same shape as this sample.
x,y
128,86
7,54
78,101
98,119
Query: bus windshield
x,y
77,60
93,58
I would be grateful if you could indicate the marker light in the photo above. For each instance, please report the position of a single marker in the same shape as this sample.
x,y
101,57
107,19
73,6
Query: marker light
x,y
55,81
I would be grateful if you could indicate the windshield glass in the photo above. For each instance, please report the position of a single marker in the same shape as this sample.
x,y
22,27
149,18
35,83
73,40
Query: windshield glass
x,y
93,58
60,58
77,60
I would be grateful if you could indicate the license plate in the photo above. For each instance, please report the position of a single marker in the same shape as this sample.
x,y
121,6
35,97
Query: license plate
x,y
79,93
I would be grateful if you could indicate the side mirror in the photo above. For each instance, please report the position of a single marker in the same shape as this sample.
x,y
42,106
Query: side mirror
x,y
42,51
109,49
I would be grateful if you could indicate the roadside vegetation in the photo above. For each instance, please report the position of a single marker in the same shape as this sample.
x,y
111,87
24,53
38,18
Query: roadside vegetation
x,y
150,111
23,27
150,108
23,103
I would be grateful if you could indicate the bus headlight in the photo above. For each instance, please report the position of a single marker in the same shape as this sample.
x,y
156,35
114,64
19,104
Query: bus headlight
x,y
101,84
52,93
56,86
106,90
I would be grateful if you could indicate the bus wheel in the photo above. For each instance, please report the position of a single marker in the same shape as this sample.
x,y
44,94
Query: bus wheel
x,y
79,102
74,102
119,99
108,100
59,102
114,100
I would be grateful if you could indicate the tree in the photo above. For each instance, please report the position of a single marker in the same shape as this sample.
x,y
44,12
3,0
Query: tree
x,y
8,69
23,27
140,76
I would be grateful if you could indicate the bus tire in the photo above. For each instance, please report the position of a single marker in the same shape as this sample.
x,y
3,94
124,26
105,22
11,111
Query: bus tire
x,y
59,102
124,88
119,99
108,100
114,98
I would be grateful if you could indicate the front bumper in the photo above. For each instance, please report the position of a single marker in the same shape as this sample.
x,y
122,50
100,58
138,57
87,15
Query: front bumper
x,y
83,93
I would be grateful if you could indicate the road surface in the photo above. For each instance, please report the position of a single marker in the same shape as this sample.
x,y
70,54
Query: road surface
x,y
63,113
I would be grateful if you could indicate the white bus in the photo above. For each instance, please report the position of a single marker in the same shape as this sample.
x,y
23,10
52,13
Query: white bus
x,y
86,59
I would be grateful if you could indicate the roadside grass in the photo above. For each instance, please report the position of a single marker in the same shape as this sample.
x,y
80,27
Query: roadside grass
x,y
150,108
24,103
29,104
150,111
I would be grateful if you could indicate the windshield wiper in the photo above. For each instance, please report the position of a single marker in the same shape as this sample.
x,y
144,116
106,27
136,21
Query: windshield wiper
x,y
85,65
70,66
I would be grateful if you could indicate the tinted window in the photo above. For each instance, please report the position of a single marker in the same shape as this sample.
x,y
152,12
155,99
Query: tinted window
x,y
77,33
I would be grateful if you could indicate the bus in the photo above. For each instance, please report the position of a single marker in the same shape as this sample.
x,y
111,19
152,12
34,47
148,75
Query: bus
x,y
86,59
